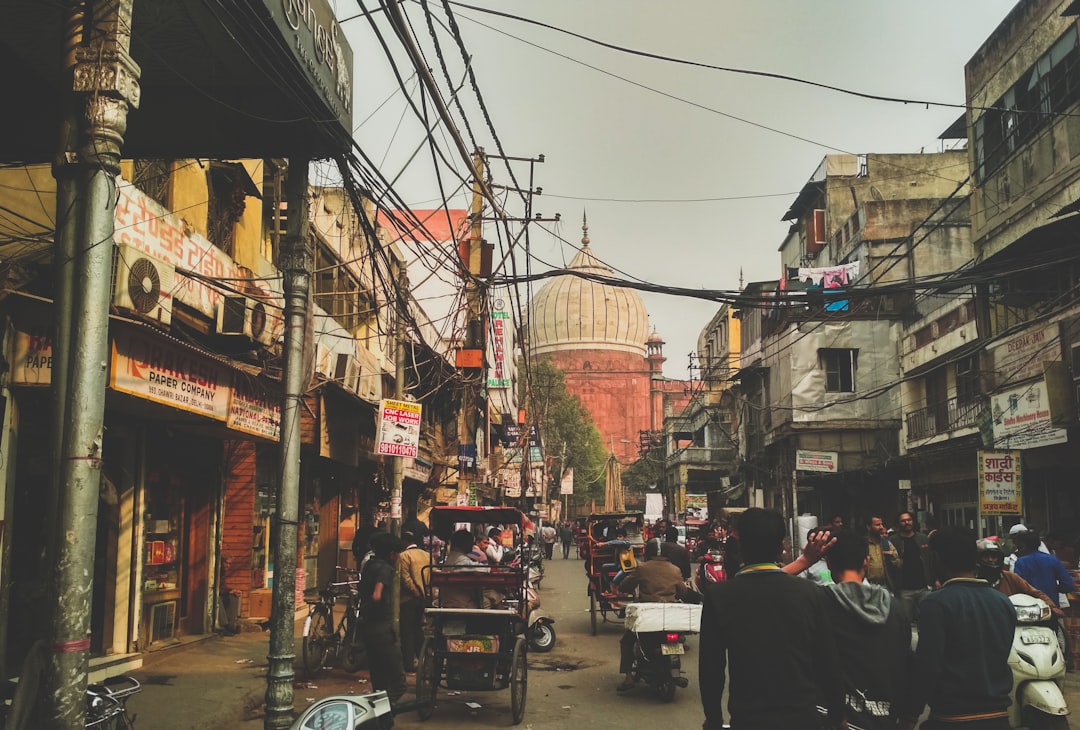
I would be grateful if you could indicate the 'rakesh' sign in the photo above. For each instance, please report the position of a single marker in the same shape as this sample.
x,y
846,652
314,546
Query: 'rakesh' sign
x,y
816,461
169,374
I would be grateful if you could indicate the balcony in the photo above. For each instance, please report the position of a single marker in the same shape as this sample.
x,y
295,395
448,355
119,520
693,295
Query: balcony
x,y
951,415
701,456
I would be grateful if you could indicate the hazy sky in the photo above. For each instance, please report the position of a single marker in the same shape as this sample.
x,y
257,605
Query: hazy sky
x,y
614,147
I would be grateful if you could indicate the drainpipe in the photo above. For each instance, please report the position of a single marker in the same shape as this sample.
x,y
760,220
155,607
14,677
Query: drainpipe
x,y
106,79
295,261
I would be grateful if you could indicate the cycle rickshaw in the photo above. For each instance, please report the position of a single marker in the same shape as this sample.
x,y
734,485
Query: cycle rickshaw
x,y
483,646
614,542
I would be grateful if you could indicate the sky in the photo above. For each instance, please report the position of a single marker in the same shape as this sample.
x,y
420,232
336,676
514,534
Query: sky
x,y
684,173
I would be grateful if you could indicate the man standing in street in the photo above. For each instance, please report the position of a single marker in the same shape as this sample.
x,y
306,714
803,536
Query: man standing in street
x,y
548,536
376,616
676,553
767,629
882,556
411,565
1042,570
961,666
872,634
566,537
913,576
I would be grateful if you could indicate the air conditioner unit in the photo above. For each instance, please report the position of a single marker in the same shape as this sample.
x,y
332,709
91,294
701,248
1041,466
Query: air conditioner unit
x,y
143,284
245,317
347,371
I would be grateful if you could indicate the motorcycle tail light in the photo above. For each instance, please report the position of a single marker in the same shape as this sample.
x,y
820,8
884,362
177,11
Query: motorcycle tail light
x,y
671,638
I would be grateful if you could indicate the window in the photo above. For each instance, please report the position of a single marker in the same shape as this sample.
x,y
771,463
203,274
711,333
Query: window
x,y
967,379
839,365
152,177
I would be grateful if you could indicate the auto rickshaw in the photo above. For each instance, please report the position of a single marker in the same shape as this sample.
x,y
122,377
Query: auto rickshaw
x,y
482,646
613,546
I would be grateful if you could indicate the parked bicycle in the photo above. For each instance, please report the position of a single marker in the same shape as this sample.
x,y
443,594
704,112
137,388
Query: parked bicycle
x,y
106,701
328,637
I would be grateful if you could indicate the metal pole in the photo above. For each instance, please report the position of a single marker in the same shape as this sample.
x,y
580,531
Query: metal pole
x,y
398,465
296,261
106,80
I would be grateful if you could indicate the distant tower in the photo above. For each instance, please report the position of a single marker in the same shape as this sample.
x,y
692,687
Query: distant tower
x,y
654,346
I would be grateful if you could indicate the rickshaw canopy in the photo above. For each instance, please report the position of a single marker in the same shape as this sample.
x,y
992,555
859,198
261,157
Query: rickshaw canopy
x,y
443,519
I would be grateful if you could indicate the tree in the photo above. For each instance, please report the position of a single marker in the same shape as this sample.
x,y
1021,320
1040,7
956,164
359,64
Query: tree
x,y
643,475
569,435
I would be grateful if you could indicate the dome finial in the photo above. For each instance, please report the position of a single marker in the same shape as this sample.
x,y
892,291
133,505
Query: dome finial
x,y
584,228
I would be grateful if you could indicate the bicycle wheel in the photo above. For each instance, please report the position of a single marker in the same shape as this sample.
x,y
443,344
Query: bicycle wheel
x,y
318,639
354,652
427,680
519,682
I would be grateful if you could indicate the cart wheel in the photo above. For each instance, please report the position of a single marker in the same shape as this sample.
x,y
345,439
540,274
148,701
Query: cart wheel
x,y
519,681
592,611
427,680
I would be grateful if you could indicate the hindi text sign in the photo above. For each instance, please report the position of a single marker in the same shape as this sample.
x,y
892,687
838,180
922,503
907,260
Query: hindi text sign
x,y
1000,488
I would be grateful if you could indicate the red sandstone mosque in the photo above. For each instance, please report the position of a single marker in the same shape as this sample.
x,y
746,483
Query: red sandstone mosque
x,y
598,334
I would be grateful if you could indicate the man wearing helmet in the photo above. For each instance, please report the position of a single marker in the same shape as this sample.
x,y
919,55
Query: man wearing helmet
x,y
991,568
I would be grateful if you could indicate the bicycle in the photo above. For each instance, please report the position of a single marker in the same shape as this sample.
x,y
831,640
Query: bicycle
x,y
322,638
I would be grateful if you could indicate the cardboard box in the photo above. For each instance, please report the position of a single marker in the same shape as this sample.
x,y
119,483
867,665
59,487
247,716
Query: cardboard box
x,y
259,601
645,617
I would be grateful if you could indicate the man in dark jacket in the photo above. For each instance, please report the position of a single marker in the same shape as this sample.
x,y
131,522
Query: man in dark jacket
x,y
872,634
965,635
676,553
774,631
913,574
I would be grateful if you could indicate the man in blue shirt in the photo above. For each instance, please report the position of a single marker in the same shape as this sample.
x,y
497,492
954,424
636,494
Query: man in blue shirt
x,y
1040,569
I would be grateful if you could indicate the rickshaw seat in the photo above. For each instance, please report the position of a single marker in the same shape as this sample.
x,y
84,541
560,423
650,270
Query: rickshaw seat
x,y
505,581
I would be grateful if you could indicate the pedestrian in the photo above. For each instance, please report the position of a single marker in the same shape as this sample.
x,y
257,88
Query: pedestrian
x,y
913,574
656,580
411,570
676,553
767,629
961,666
873,637
1014,537
566,539
548,536
882,555
1042,570
376,616
991,568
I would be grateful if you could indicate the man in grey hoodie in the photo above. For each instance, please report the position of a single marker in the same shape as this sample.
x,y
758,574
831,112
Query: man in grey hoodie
x,y
873,636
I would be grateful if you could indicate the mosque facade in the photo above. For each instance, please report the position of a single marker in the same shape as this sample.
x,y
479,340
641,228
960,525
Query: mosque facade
x,y
598,335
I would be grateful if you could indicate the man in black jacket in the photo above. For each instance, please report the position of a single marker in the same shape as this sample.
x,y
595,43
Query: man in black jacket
x,y
913,574
873,637
773,629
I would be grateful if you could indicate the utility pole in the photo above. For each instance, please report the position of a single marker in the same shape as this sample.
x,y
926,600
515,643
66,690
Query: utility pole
x,y
402,303
295,261
475,336
105,86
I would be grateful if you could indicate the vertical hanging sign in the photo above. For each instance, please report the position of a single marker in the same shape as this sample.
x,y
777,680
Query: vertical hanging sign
x,y
399,428
499,375
1000,486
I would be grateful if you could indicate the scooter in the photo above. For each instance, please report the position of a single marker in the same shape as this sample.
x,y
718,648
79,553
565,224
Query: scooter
x,y
1038,668
710,570
658,662
348,712
541,631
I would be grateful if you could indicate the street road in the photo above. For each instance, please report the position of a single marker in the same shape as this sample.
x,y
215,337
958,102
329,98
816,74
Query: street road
x,y
573,685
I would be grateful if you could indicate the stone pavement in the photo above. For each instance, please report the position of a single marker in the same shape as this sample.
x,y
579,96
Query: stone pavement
x,y
219,683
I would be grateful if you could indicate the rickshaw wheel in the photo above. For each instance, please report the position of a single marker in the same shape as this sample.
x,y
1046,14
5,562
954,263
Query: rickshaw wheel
x,y
427,680
519,681
592,610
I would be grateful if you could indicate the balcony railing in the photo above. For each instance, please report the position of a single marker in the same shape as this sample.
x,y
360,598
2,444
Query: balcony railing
x,y
944,417
702,455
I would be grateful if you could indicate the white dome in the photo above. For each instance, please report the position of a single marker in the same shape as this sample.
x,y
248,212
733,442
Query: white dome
x,y
572,313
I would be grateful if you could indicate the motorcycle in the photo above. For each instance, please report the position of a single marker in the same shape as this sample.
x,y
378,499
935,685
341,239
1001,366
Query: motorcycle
x,y
658,662
536,565
348,712
710,570
541,632
1038,668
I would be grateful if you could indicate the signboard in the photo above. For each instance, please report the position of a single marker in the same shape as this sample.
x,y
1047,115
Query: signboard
x,y
510,478
566,486
697,507
1000,485
501,343
1022,418
254,409
32,360
399,428
1021,357
169,374
823,461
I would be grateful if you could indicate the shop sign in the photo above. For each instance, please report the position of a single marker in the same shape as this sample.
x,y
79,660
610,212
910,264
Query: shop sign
x,y
399,428
1000,483
823,461
32,362
1022,357
1022,418
254,409
510,478
417,469
169,374
697,507
566,486
499,375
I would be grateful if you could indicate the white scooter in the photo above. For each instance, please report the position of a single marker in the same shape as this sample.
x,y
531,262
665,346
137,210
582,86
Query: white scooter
x,y
348,712
1038,668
